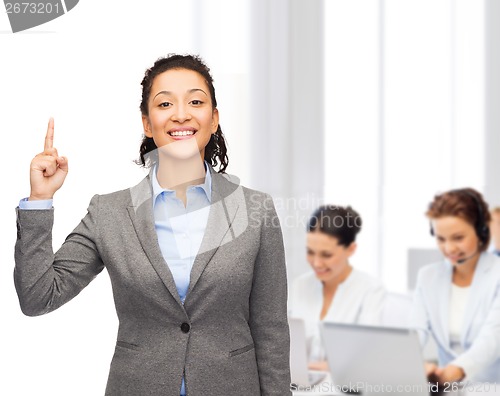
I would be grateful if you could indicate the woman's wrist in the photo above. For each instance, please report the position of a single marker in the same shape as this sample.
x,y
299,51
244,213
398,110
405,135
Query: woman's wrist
x,y
34,197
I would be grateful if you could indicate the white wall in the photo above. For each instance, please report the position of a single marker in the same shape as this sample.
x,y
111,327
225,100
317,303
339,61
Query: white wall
x,y
492,87
287,115
353,130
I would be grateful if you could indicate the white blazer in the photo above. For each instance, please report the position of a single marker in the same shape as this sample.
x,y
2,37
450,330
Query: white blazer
x,y
359,300
480,338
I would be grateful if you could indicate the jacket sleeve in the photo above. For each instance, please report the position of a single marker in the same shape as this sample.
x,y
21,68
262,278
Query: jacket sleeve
x,y
268,307
44,281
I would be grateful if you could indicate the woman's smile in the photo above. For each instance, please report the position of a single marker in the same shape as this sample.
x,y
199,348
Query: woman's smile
x,y
182,133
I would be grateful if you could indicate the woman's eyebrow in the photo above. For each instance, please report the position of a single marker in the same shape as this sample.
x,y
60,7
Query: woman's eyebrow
x,y
197,89
189,91
162,92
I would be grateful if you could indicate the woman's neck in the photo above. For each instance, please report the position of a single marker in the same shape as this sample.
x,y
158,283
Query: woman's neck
x,y
330,288
464,273
178,175
333,283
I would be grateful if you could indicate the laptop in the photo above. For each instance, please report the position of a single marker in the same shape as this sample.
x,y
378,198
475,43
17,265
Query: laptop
x,y
367,360
302,377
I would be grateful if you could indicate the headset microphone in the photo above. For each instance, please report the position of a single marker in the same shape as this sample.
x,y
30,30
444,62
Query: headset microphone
x,y
461,261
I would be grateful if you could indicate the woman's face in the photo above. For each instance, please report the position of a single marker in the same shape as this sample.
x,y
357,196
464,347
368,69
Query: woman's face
x,y
456,238
326,257
181,116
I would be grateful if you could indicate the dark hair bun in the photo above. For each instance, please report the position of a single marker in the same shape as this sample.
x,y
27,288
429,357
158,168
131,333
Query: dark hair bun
x,y
343,223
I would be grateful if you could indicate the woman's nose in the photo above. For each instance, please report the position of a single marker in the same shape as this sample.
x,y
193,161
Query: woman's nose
x,y
449,247
181,114
316,262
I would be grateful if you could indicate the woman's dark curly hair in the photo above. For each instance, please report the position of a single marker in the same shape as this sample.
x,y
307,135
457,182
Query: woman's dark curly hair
x,y
216,150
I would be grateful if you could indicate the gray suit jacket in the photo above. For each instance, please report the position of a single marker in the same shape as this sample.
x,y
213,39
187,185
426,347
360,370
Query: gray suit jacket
x,y
231,335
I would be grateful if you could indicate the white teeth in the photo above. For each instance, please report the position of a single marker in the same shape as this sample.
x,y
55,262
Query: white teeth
x,y
181,133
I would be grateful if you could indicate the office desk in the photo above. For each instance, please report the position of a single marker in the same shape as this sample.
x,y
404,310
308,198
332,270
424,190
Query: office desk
x,y
327,388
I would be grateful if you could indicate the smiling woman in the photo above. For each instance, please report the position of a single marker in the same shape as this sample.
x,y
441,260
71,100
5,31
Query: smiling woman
x,y
334,291
200,291
457,301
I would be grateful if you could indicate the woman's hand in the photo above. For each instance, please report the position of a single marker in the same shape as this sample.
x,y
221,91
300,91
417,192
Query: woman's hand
x,y
47,169
449,373
430,369
443,375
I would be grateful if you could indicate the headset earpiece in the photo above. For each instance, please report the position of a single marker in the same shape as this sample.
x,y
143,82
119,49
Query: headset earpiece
x,y
483,233
482,229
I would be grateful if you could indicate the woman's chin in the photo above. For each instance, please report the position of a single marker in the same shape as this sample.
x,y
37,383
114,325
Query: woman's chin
x,y
181,150
322,275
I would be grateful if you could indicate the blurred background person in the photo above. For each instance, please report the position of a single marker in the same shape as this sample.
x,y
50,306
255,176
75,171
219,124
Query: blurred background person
x,y
334,291
457,300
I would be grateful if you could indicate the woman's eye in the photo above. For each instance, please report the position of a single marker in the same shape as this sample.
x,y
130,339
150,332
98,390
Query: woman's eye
x,y
196,102
165,104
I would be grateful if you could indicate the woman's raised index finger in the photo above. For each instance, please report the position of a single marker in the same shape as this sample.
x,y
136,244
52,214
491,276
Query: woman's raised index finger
x,y
49,137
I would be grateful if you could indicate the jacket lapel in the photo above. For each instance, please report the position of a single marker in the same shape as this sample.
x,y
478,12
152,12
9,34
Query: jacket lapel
x,y
225,210
141,214
475,294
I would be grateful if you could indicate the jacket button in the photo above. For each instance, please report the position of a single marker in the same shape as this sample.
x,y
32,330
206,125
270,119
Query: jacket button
x,y
185,327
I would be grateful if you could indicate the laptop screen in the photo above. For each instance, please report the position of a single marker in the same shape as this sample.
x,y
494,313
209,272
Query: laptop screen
x,y
371,360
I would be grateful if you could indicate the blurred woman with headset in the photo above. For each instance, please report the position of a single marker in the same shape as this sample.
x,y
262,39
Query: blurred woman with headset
x,y
334,291
457,301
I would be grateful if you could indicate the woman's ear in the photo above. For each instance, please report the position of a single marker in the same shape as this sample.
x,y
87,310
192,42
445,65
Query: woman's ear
x,y
215,120
147,126
352,248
